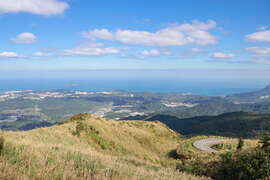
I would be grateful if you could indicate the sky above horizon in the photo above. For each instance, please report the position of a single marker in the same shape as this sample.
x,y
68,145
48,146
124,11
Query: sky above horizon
x,y
207,35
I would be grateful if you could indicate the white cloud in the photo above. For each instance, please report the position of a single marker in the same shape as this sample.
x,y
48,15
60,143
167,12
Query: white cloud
x,y
261,60
174,35
260,51
42,54
90,51
8,55
152,52
221,55
25,38
263,36
98,34
40,7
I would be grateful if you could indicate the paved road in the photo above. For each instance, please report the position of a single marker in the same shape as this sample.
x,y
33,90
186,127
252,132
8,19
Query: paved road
x,y
206,144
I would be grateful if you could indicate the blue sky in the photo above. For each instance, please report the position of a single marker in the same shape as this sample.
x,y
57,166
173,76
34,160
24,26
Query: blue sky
x,y
61,35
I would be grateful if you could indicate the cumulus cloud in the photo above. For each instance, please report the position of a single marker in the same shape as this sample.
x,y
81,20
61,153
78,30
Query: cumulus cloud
x,y
25,38
260,51
221,55
91,51
152,52
260,36
42,54
8,55
174,35
40,7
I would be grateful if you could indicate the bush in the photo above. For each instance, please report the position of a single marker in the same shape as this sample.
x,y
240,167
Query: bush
x,y
197,168
265,141
244,166
240,144
79,128
2,141
173,154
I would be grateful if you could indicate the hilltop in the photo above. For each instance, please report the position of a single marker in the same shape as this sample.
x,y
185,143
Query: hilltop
x,y
90,147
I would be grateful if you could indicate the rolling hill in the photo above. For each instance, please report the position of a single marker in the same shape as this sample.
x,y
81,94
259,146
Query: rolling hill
x,y
89,147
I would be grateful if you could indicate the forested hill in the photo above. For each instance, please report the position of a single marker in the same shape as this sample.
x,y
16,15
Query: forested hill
x,y
236,124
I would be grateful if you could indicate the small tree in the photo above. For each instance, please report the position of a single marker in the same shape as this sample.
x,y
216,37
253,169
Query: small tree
x,y
2,140
240,144
265,141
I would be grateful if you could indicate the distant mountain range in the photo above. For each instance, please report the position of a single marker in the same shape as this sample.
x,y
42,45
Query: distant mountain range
x,y
260,96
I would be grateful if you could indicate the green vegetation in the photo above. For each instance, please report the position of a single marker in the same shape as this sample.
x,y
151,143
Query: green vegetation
x,y
240,144
51,111
2,141
214,107
32,109
247,165
252,162
265,141
237,124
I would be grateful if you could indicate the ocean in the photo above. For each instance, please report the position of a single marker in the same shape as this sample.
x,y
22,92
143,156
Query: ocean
x,y
162,85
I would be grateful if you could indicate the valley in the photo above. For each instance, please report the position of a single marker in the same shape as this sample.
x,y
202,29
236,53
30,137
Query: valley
x,y
29,109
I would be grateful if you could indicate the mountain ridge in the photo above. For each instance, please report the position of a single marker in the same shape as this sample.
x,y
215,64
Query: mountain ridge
x,y
233,124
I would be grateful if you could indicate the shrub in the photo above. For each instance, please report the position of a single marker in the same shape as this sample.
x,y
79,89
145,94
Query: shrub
x,y
244,165
240,144
191,167
265,141
2,141
79,129
173,154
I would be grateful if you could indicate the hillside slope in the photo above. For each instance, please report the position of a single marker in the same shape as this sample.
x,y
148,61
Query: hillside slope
x,y
236,124
90,147
259,96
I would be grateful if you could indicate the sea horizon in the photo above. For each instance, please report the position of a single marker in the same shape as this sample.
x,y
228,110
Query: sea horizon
x,y
162,85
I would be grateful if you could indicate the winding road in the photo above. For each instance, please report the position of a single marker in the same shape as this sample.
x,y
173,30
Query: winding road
x,y
206,144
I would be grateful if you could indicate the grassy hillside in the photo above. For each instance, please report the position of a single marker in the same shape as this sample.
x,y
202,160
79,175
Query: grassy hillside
x,y
90,147
237,124
229,163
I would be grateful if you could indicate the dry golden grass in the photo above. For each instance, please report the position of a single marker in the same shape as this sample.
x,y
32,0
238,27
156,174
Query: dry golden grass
x,y
90,147
230,144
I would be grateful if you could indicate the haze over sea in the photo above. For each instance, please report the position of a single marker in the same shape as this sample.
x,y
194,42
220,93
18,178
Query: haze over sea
x,y
164,81
199,87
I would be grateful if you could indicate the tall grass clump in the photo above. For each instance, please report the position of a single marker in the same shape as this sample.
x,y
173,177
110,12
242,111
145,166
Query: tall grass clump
x,y
2,141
